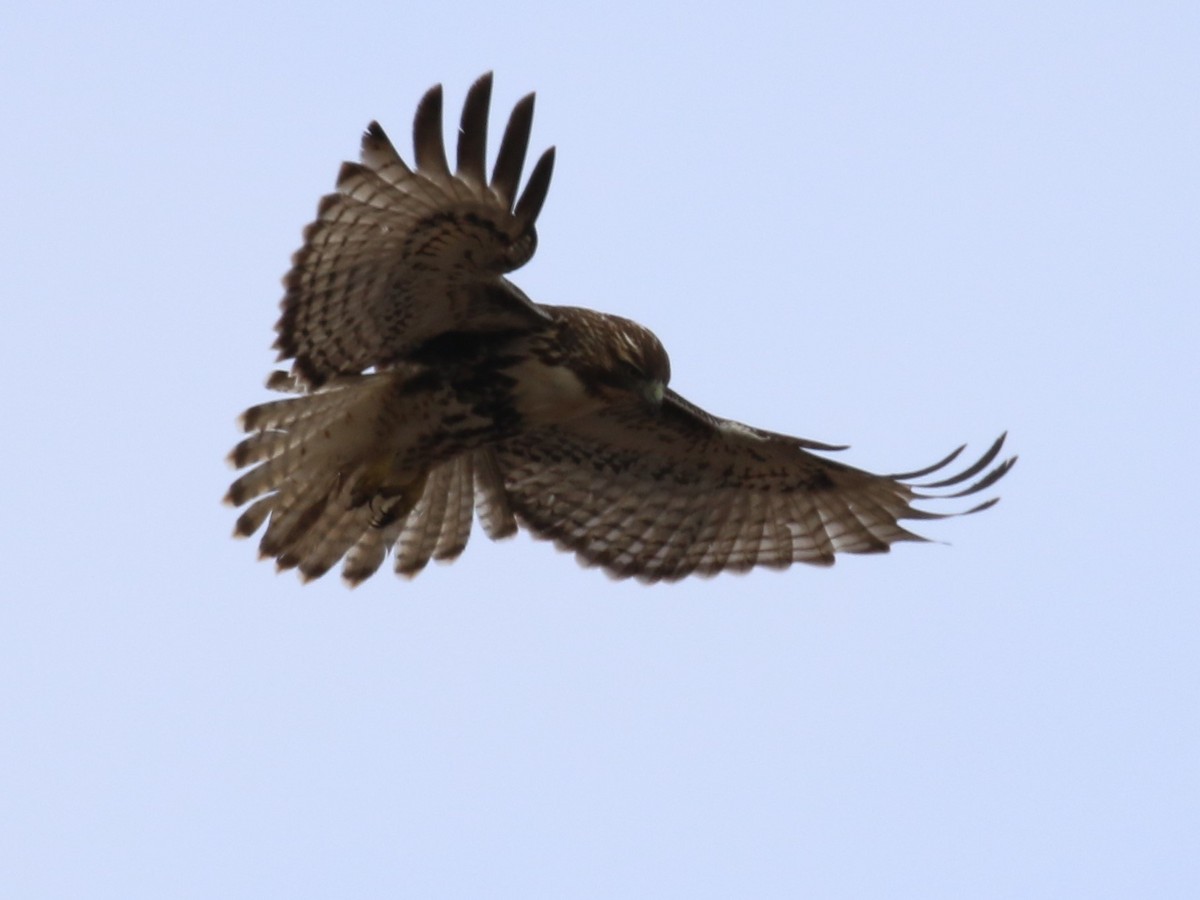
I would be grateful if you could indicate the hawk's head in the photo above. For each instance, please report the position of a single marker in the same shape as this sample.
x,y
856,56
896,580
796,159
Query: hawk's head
x,y
616,359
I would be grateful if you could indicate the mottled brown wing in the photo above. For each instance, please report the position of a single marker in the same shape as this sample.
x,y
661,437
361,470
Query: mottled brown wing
x,y
660,497
400,255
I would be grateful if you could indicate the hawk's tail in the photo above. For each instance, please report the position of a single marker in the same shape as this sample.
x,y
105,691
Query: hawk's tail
x,y
325,483
314,457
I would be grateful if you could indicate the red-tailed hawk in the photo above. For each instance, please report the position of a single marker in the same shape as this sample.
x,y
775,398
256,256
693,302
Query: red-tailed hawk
x,y
426,387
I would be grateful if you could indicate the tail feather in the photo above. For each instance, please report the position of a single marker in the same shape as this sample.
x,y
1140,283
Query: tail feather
x,y
491,496
254,516
309,453
460,509
440,523
294,513
323,475
284,413
325,431
368,554
416,543
260,446
437,527
328,540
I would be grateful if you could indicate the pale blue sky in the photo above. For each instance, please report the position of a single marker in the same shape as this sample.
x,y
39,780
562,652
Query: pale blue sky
x,y
896,226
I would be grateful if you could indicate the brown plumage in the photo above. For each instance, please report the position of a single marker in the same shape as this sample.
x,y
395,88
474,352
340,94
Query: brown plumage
x,y
426,388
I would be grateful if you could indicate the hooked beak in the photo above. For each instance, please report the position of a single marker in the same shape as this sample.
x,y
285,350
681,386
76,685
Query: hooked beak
x,y
653,393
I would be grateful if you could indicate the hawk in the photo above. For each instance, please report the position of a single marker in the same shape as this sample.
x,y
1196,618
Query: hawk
x,y
425,388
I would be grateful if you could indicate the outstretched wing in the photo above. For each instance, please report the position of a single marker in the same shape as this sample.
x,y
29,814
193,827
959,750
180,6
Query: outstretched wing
x,y
662,496
399,255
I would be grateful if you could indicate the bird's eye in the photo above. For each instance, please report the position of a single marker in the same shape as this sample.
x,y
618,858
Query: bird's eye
x,y
631,370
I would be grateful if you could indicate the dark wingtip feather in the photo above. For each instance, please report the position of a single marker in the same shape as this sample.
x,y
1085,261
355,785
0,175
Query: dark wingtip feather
x,y
941,464
974,469
821,447
536,189
472,131
934,491
506,174
986,504
376,143
429,148
987,480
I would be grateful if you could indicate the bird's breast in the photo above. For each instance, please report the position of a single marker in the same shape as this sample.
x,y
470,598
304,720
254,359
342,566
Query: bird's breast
x,y
546,394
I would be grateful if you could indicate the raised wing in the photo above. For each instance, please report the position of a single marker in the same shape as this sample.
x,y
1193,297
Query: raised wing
x,y
659,497
398,256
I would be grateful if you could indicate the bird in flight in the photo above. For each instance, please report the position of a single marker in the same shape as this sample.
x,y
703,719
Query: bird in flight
x,y
426,388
